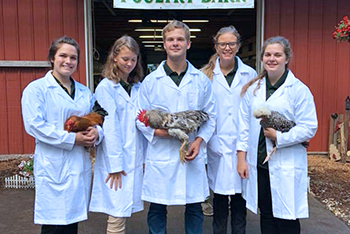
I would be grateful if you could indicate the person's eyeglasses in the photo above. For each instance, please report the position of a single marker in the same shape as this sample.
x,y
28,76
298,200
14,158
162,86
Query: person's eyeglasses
x,y
222,45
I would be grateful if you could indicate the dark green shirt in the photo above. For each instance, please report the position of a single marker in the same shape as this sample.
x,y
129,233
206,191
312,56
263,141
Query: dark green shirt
x,y
231,75
72,87
173,75
126,86
270,89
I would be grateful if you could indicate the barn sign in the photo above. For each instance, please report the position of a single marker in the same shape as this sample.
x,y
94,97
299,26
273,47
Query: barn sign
x,y
182,4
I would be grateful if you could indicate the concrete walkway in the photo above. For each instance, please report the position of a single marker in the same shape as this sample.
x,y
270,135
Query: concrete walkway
x,y
16,217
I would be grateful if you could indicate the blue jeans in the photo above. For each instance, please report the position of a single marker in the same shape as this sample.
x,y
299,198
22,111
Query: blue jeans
x,y
157,216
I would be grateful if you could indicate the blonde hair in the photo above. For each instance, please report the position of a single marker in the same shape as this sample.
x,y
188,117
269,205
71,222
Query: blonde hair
x,y
209,67
174,25
111,69
287,51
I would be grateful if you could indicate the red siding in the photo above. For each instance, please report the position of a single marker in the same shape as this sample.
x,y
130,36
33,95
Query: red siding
x,y
322,63
26,31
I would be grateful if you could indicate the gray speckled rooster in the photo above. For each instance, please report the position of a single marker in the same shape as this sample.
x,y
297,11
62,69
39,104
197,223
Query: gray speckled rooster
x,y
178,124
275,120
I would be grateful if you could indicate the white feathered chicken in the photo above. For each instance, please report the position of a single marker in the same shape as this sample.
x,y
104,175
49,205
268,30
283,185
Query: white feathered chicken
x,y
178,124
275,120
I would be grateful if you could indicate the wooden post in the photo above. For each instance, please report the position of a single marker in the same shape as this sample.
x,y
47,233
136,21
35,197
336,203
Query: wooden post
x,y
346,127
332,122
337,133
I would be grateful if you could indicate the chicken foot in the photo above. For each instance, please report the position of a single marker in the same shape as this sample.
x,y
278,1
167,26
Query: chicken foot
x,y
183,137
92,151
183,151
268,156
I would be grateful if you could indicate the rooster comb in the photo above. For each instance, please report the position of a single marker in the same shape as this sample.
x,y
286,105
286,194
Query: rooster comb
x,y
141,115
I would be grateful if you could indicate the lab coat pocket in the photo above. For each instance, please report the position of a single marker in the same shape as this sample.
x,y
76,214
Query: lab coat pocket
x,y
193,99
55,167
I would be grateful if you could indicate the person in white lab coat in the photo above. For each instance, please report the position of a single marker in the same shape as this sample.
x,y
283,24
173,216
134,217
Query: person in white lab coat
x,y
278,187
118,170
62,166
228,75
176,86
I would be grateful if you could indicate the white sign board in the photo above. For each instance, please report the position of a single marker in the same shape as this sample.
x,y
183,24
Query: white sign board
x,y
182,4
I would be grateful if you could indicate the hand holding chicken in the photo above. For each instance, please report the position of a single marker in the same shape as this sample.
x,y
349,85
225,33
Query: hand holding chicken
x,y
274,120
85,123
178,124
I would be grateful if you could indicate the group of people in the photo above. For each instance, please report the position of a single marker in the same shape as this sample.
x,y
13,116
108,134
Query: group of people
x,y
135,163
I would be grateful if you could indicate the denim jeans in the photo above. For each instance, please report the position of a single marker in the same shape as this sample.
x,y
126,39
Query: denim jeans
x,y
268,223
157,217
221,213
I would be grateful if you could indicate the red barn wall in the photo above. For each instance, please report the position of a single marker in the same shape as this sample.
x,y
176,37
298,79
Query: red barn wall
x,y
27,29
321,62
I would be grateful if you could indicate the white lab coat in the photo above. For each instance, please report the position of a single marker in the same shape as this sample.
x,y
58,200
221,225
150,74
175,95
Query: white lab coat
x,y
222,160
122,149
62,169
166,180
288,165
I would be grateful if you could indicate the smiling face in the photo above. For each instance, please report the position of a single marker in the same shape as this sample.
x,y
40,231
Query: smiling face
x,y
65,61
126,61
274,60
227,46
175,44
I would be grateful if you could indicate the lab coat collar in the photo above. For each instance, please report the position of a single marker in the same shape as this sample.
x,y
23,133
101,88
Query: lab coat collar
x,y
290,80
52,83
161,74
221,78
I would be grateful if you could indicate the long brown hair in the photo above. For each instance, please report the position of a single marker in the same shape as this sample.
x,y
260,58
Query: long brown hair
x,y
209,67
287,51
111,69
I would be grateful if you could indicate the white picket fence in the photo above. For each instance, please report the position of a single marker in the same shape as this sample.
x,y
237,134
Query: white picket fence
x,y
19,182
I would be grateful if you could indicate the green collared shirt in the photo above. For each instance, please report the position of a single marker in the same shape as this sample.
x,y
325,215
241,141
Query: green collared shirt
x,y
72,87
231,75
173,75
270,89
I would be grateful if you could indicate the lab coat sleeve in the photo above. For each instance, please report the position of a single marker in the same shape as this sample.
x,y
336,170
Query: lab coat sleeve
x,y
34,118
144,104
305,119
112,130
208,128
244,122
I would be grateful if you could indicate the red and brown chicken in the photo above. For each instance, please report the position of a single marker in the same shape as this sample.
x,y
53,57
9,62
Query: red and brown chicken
x,y
82,123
